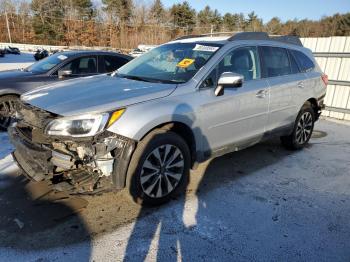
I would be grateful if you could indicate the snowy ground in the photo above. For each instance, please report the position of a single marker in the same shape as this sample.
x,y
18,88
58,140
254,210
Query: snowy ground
x,y
261,204
16,61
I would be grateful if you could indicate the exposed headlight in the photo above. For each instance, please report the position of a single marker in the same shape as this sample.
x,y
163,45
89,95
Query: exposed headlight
x,y
82,126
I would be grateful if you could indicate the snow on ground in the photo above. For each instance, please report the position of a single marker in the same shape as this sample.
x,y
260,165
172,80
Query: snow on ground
x,y
5,145
260,204
16,61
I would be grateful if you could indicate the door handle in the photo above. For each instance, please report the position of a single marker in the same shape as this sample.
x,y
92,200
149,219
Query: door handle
x,y
301,84
261,93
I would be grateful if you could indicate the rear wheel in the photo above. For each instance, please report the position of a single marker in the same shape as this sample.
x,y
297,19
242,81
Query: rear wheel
x,y
7,110
159,168
303,127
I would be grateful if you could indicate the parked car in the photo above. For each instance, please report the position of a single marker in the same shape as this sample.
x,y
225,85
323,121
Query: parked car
x,y
57,67
40,54
2,52
149,123
141,49
12,50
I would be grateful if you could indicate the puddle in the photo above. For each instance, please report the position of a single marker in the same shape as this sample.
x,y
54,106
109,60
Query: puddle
x,y
318,134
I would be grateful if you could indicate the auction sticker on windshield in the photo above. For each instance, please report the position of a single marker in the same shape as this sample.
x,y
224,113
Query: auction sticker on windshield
x,y
205,48
184,63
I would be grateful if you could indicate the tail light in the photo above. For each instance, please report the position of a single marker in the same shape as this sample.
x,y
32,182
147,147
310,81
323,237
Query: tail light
x,y
325,79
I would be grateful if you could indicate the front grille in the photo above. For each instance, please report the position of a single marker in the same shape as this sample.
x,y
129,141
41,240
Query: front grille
x,y
31,122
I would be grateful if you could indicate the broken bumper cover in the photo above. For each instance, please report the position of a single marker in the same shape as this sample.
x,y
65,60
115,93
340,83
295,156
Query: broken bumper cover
x,y
83,166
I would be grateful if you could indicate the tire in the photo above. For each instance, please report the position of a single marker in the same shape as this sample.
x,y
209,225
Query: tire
x,y
6,107
151,182
302,130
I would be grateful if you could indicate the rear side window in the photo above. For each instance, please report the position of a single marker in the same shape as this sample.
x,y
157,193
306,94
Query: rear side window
x,y
275,61
304,62
112,63
293,64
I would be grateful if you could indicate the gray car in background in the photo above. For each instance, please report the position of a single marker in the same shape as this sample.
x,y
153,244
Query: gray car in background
x,y
145,126
57,67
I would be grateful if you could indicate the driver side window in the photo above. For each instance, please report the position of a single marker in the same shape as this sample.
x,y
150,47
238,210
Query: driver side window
x,y
243,61
82,65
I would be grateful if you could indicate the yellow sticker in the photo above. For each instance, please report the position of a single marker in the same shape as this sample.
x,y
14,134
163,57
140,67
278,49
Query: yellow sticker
x,y
185,63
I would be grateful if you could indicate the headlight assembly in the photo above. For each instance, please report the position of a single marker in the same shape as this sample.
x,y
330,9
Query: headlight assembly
x,y
82,126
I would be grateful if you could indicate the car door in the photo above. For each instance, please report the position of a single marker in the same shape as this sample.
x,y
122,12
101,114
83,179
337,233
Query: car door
x,y
238,117
283,79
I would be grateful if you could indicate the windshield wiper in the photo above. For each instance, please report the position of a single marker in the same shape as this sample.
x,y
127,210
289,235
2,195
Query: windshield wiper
x,y
134,77
147,79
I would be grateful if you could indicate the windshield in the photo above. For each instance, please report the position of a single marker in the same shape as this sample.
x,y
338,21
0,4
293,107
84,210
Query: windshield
x,y
171,63
48,63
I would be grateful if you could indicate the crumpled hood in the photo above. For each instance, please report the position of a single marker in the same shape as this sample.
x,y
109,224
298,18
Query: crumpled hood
x,y
94,94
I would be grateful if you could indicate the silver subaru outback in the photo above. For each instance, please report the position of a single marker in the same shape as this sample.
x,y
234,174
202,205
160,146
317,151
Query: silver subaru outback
x,y
146,125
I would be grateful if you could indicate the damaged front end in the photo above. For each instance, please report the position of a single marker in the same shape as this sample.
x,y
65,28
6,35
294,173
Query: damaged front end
x,y
73,164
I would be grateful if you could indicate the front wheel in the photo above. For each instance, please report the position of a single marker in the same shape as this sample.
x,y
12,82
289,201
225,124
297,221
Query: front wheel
x,y
159,168
302,130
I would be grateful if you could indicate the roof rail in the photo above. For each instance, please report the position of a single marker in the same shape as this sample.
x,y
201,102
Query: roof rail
x,y
288,39
204,35
188,36
249,36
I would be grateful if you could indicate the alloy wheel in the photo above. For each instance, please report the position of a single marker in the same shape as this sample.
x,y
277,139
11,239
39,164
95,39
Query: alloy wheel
x,y
162,171
304,128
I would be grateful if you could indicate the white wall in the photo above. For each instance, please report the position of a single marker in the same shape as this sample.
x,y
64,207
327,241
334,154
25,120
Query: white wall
x,y
337,68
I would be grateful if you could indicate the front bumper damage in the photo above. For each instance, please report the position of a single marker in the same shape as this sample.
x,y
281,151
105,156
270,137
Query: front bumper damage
x,y
84,165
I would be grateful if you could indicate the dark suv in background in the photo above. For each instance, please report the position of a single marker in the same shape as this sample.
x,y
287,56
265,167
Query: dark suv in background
x,y
57,67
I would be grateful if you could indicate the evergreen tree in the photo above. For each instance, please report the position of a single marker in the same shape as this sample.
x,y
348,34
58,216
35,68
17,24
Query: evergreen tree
x,y
274,26
208,18
157,12
183,15
84,8
47,20
253,23
120,10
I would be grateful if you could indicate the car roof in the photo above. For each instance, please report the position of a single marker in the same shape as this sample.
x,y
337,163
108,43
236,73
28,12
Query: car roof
x,y
256,37
209,39
72,53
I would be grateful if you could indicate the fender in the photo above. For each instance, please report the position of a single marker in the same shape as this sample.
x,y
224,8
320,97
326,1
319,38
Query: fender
x,y
138,120
9,91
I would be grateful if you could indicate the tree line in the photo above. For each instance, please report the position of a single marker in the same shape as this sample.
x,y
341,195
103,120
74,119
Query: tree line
x,y
124,24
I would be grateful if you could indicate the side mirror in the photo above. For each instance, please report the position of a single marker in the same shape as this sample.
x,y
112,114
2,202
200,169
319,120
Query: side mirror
x,y
64,73
226,80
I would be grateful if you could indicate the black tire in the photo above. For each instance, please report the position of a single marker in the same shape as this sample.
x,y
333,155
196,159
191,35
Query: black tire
x,y
6,106
157,140
301,132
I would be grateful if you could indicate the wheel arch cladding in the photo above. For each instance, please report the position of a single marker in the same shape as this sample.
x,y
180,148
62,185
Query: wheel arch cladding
x,y
182,130
314,105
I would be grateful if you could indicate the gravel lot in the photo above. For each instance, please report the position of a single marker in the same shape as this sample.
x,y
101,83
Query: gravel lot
x,y
260,204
